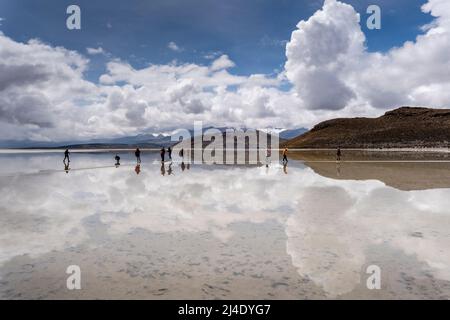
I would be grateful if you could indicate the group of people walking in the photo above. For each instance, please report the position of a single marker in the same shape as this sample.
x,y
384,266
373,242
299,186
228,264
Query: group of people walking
x,y
163,152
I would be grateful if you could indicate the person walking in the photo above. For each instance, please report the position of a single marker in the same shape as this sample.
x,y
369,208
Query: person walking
x,y
66,156
169,150
338,154
285,159
137,153
117,158
163,152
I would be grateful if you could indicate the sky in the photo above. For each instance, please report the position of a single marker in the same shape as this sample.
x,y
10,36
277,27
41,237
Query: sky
x,y
153,66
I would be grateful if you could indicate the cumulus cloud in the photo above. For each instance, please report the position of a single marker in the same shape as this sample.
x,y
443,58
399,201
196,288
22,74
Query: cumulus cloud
x,y
37,82
95,51
44,94
328,73
418,73
174,47
321,54
223,62
330,68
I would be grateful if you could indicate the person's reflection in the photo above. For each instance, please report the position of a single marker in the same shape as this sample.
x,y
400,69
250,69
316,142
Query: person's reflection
x,y
183,166
338,169
163,169
268,156
137,169
169,171
188,166
285,168
66,167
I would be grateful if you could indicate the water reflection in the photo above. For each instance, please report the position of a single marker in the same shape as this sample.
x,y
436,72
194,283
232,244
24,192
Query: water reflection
x,y
285,168
329,225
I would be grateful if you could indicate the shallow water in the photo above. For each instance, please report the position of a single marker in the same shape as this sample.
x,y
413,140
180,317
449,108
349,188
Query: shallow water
x,y
228,232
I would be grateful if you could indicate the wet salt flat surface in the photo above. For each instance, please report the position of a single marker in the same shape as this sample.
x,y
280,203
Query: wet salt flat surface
x,y
222,232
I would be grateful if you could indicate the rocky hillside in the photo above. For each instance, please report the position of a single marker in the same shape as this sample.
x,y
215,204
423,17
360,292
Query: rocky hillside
x,y
405,127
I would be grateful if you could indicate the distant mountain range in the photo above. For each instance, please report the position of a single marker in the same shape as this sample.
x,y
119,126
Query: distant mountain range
x,y
406,127
142,140
153,140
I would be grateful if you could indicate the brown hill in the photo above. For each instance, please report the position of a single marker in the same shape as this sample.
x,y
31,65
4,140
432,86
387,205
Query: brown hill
x,y
405,127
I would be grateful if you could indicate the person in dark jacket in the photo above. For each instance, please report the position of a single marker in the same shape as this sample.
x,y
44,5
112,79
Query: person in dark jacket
x,y
137,153
66,156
